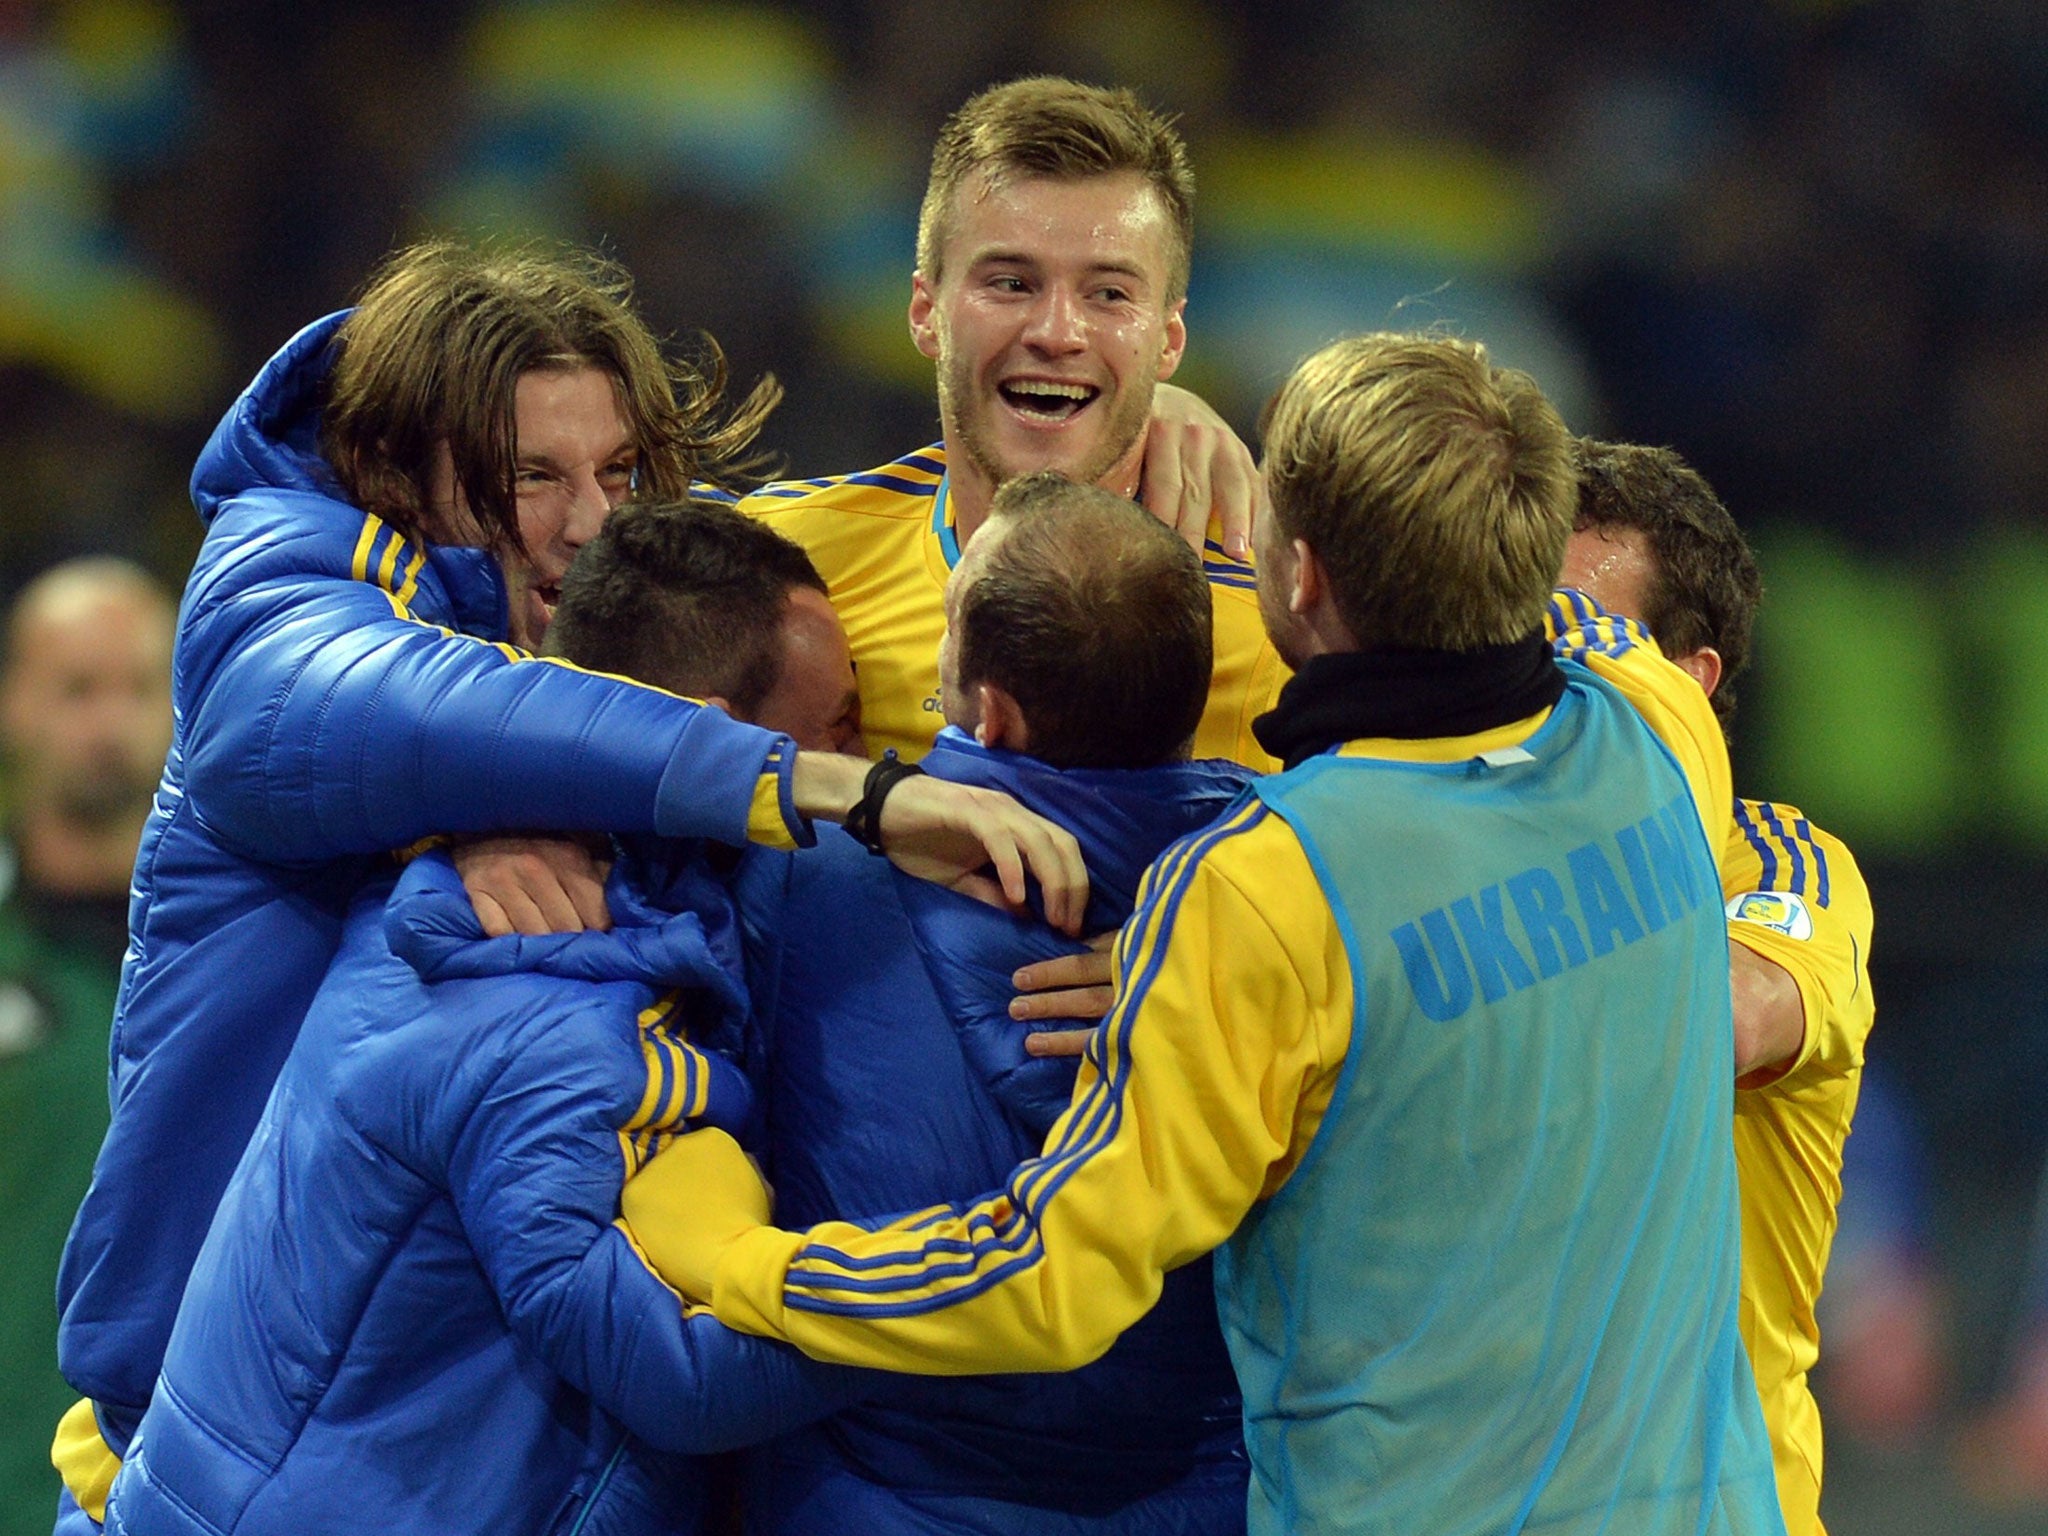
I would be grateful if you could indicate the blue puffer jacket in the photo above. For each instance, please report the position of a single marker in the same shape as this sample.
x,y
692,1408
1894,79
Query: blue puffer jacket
x,y
891,1088
325,714
415,1311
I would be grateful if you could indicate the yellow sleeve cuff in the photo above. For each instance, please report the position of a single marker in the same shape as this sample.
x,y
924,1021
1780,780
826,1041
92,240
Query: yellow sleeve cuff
x,y
1798,960
747,1289
772,818
84,1460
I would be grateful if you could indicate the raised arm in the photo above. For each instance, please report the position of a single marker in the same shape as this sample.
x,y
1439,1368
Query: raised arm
x,y
320,720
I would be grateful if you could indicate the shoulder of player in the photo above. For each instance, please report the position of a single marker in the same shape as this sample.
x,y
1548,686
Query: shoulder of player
x,y
1579,629
1773,847
901,489
1225,574
1622,654
562,1034
1249,857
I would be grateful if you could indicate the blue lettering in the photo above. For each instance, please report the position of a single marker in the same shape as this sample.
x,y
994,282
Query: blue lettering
x,y
1494,956
1639,877
1602,905
1682,820
1441,999
1539,902
1665,846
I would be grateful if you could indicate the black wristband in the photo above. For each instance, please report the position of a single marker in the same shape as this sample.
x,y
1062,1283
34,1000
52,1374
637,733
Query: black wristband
x,y
864,821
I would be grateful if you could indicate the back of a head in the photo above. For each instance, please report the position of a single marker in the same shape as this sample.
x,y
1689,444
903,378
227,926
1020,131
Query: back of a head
x,y
688,596
434,352
1065,131
1436,489
1095,618
1706,587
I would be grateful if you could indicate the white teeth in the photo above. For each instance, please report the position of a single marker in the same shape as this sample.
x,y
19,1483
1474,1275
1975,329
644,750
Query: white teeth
x,y
1059,391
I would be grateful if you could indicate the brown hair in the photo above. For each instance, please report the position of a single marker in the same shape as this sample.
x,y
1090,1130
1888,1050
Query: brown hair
x,y
1095,617
1061,129
435,350
1704,584
1436,489
689,596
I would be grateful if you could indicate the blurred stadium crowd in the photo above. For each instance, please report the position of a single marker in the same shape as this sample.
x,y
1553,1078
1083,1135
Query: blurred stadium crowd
x,y
1806,242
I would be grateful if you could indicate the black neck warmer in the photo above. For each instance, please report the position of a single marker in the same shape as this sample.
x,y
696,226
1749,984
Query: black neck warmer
x,y
1412,695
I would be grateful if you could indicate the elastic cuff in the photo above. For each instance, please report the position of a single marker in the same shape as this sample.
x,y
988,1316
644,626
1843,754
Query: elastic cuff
x,y
84,1459
747,1289
773,819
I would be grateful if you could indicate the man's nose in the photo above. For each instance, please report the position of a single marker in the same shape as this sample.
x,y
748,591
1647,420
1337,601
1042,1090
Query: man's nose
x,y
589,505
1057,325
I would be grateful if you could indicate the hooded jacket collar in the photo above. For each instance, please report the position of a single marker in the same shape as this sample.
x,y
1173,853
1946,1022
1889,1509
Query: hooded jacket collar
x,y
1122,817
269,442
673,925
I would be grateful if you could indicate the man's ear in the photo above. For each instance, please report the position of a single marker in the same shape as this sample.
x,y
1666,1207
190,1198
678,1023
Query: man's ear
x,y
1312,598
1176,340
1310,581
1705,666
1002,721
924,327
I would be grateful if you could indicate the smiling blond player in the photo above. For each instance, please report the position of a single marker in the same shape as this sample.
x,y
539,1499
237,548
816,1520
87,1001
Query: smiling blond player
x,y
1052,270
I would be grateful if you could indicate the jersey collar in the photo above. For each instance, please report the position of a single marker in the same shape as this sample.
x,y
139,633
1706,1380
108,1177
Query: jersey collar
x,y
942,521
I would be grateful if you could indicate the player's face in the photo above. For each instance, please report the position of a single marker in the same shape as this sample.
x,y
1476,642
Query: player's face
x,y
1050,326
87,705
814,701
1612,566
574,459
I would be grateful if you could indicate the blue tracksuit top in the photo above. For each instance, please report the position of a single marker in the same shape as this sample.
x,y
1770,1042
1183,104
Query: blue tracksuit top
x,y
414,1310
331,704
894,1078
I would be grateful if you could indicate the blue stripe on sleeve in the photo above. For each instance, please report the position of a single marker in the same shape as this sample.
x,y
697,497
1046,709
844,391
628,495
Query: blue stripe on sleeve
x,y
1795,877
891,483
1760,843
1803,829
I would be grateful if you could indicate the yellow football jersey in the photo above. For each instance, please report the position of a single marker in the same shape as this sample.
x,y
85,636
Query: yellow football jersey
x,y
1795,896
884,542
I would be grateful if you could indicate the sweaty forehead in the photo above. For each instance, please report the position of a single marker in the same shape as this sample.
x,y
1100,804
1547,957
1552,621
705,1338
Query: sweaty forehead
x,y
1115,216
1613,566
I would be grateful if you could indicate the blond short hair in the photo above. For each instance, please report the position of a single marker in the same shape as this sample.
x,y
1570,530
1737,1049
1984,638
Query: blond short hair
x,y
1436,489
1045,126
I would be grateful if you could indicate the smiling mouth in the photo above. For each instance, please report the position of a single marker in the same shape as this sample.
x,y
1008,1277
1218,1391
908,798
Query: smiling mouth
x,y
547,594
1045,400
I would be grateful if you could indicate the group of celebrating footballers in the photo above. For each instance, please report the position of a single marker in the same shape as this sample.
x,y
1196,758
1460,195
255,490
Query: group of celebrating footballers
x,y
486,951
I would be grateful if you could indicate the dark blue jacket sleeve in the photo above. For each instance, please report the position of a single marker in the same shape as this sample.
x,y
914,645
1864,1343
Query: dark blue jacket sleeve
x,y
536,1175
318,723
